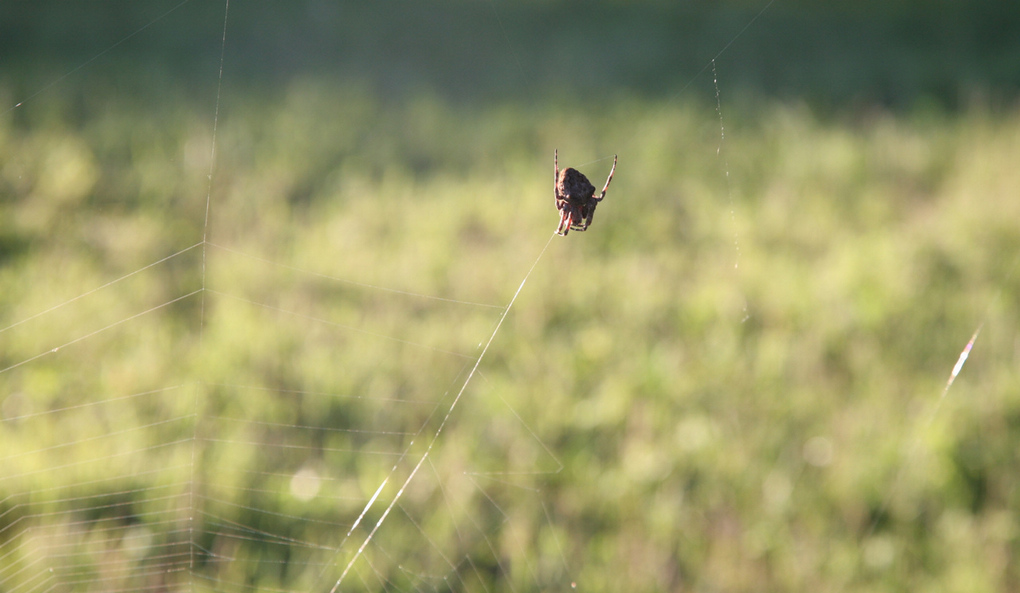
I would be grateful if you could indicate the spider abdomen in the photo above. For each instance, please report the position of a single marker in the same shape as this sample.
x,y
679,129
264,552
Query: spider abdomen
x,y
574,186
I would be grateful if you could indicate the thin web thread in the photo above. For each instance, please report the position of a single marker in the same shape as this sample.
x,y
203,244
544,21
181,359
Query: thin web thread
x,y
725,160
93,58
201,322
212,158
439,430
98,288
506,37
723,50
726,170
98,331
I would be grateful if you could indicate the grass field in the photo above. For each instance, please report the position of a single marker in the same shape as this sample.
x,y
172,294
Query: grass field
x,y
734,381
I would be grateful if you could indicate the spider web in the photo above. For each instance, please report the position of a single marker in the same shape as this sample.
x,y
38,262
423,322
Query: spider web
x,y
290,419
230,414
231,479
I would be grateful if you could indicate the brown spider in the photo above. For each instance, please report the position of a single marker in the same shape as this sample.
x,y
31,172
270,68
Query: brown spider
x,y
575,197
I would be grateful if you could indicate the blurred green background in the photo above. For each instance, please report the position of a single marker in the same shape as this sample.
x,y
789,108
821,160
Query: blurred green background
x,y
232,305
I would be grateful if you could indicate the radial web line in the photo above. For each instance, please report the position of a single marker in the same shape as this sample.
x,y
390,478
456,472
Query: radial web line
x,y
98,288
506,38
99,331
723,50
201,318
93,58
559,464
442,424
506,519
212,154
119,398
435,547
364,511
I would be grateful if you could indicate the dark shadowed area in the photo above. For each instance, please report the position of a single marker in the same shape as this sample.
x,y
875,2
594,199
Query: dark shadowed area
x,y
835,54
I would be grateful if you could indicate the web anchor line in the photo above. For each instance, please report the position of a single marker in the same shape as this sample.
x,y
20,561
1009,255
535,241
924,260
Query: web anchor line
x,y
729,185
435,437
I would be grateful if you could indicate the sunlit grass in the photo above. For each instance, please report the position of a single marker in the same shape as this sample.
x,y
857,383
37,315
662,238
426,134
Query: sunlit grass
x,y
735,367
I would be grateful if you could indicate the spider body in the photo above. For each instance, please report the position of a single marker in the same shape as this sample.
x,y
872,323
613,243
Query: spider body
x,y
575,197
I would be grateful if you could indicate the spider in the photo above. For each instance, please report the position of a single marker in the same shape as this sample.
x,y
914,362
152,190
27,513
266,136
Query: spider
x,y
575,197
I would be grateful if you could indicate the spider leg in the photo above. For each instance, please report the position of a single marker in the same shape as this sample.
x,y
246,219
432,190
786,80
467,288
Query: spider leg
x,y
611,171
584,215
565,221
556,176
